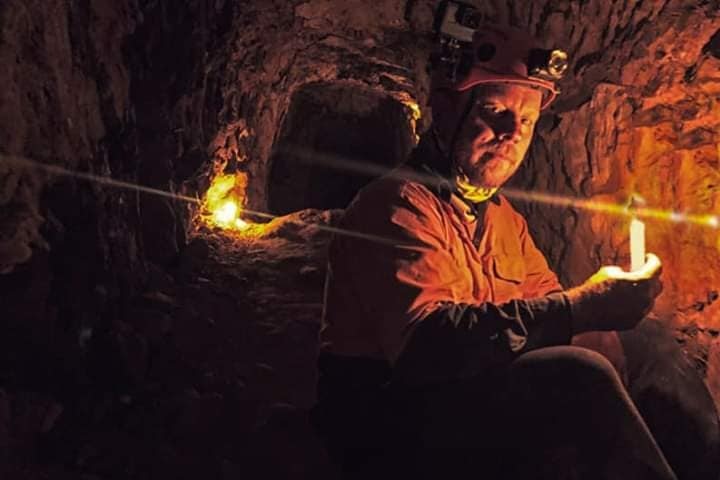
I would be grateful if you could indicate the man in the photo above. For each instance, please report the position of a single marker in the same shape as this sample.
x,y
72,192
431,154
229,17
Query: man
x,y
445,332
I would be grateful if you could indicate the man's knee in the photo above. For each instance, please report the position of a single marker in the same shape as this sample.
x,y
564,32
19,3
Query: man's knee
x,y
566,366
673,399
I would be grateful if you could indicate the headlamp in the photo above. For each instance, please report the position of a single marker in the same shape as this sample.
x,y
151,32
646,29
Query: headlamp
x,y
547,64
472,52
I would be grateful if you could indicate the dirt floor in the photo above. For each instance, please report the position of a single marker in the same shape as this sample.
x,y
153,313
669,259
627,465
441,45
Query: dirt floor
x,y
210,376
209,373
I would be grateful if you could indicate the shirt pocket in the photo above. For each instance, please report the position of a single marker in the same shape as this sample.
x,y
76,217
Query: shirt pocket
x,y
509,273
509,269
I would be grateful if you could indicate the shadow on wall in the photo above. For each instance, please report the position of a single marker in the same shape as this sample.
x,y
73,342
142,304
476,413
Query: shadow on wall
x,y
335,139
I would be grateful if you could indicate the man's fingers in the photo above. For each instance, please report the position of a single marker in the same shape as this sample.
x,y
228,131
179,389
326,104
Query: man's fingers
x,y
651,269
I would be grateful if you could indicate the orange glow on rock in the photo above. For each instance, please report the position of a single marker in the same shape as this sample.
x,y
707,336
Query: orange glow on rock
x,y
224,202
415,115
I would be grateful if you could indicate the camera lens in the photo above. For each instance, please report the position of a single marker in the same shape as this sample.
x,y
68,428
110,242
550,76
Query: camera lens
x,y
557,64
468,17
547,63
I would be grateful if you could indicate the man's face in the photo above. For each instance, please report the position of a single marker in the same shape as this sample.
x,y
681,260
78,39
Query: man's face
x,y
496,134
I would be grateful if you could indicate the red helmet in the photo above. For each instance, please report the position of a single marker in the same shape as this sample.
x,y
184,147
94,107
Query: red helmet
x,y
502,55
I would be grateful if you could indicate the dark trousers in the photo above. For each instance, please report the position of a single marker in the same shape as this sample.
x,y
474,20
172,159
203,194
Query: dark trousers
x,y
557,412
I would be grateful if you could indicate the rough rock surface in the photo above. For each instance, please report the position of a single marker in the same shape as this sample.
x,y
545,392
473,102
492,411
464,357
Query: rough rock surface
x,y
209,374
360,133
648,125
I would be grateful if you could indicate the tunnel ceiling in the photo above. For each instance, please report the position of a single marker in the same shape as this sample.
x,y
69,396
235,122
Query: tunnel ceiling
x,y
171,94
334,140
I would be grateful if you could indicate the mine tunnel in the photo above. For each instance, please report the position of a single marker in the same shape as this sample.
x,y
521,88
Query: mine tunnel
x,y
172,174
333,141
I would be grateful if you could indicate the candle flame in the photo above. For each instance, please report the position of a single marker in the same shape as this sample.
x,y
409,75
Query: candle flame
x,y
227,213
224,200
415,115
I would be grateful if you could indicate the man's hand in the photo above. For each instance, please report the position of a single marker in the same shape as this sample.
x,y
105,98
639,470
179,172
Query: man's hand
x,y
613,299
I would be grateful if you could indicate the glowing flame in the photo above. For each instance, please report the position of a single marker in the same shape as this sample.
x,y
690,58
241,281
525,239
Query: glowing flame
x,y
415,115
241,224
224,202
227,213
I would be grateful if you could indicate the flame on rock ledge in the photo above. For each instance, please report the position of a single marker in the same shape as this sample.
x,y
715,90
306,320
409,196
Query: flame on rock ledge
x,y
224,203
415,115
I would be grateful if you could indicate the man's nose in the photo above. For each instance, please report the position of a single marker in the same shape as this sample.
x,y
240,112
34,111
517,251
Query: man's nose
x,y
509,128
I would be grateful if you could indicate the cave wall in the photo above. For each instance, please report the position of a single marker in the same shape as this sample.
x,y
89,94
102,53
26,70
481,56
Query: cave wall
x,y
126,89
65,102
89,86
69,250
170,94
156,92
333,141
640,115
280,47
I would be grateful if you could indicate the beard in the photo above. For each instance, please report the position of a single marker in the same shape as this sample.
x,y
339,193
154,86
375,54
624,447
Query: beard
x,y
485,169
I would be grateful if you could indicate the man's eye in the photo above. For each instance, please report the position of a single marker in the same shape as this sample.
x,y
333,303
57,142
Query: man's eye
x,y
526,121
493,108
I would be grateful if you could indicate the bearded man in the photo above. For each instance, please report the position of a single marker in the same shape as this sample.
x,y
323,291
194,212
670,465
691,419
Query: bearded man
x,y
448,344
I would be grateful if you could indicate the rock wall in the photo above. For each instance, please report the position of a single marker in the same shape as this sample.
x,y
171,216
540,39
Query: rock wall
x,y
69,251
639,116
333,142
85,90
280,47
65,103
155,92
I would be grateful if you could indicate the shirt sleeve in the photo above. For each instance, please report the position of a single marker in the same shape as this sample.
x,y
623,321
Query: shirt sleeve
x,y
406,285
540,280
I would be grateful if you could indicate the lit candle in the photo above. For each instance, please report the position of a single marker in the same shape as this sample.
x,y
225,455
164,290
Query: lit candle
x,y
227,213
637,244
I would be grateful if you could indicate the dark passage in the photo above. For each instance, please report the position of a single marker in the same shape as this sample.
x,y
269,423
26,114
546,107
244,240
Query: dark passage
x,y
334,140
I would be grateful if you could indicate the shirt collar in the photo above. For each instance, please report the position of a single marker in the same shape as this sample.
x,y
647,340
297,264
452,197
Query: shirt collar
x,y
428,160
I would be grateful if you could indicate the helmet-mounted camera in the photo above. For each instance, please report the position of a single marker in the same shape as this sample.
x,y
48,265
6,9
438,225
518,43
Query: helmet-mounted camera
x,y
473,51
456,21
454,26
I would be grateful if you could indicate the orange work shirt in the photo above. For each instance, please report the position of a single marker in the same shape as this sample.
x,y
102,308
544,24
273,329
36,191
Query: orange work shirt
x,y
412,253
